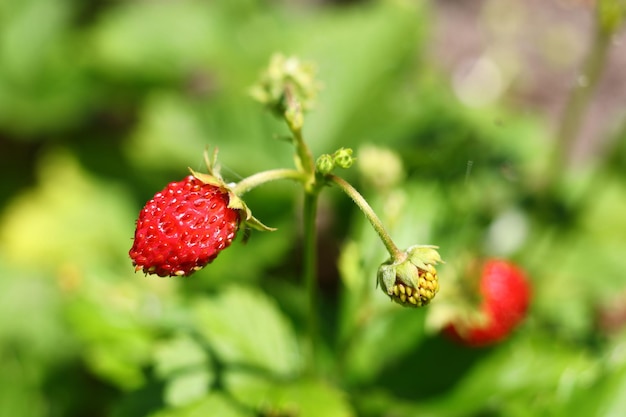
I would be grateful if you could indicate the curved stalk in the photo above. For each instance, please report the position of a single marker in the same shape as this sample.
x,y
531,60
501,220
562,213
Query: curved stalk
x,y
263,177
396,254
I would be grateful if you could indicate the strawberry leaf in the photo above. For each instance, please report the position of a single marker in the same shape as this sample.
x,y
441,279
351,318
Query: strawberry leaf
x,y
244,326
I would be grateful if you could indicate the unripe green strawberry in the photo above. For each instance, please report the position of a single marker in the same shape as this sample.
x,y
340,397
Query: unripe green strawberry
x,y
183,228
413,281
420,295
505,296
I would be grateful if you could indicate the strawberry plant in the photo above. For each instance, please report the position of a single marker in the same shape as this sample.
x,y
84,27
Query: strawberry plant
x,y
293,273
185,226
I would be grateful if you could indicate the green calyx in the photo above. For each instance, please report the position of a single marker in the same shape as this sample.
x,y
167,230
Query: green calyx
x,y
214,178
412,281
423,255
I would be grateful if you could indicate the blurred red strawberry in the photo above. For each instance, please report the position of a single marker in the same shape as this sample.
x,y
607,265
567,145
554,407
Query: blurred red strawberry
x,y
505,295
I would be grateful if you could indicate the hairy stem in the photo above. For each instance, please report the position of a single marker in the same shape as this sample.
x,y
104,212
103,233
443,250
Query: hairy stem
x,y
293,116
310,273
263,177
346,187
306,158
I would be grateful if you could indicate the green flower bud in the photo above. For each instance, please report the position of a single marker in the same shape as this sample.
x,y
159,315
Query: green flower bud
x,y
325,164
282,74
343,158
412,282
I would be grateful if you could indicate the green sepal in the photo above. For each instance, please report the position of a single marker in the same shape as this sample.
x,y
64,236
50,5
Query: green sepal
x,y
408,274
213,177
208,179
237,203
256,224
249,220
422,255
386,277
234,201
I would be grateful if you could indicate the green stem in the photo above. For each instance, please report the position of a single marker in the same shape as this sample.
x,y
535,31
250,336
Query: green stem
x,y
261,178
294,118
310,243
346,187
305,156
306,167
310,273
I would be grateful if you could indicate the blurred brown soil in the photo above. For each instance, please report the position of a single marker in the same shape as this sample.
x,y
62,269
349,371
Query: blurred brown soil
x,y
545,42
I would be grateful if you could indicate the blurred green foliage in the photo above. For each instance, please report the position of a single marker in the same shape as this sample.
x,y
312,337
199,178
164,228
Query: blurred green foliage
x,y
103,102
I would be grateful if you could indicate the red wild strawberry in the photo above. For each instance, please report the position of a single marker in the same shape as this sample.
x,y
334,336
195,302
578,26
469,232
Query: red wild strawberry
x,y
183,228
505,293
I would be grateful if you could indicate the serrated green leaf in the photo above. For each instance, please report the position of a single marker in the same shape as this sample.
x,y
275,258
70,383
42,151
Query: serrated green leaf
x,y
304,398
43,87
211,405
178,354
604,398
187,387
117,348
385,338
69,217
523,371
37,302
111,364
246,327
130,38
